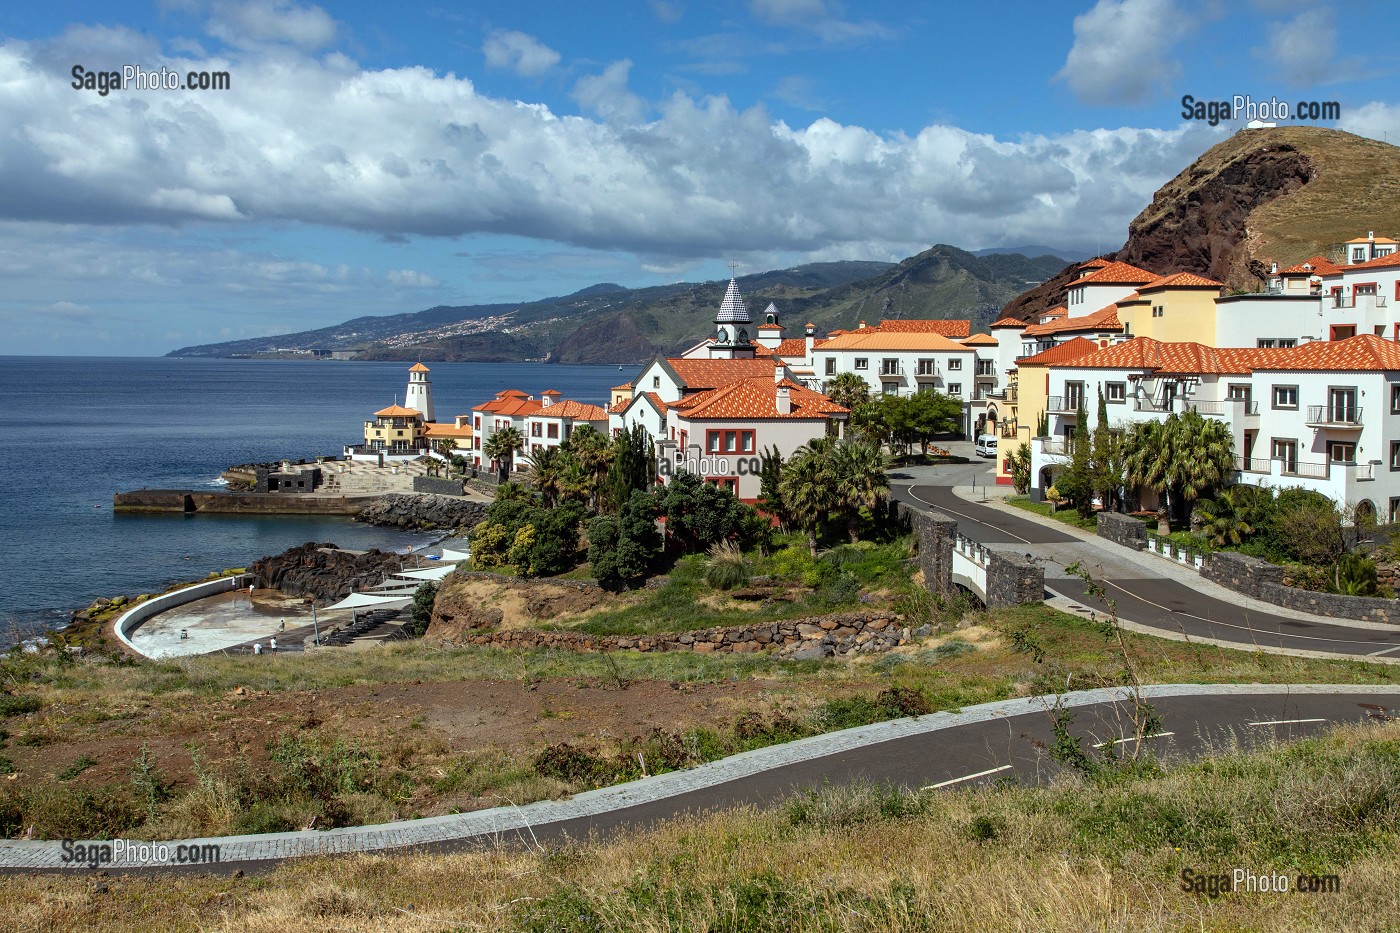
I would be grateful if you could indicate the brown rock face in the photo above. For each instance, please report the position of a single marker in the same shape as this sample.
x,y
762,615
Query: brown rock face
x,y
323,570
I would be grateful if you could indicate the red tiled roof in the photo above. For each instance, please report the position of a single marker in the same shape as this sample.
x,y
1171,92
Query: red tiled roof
x,y
795,346
418,368
757,399
981,340
1367,239
710,374
872,339
1392,260
1118,272
1008,322
1181,280
1057,311
948,328
436,429
511,402
625,385
1174,357
1095,263
1105,319
1321,265
579,411
1362,352
770,327
1061,353
398,411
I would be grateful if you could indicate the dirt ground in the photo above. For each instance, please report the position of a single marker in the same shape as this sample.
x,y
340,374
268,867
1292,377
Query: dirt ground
x,y
472,604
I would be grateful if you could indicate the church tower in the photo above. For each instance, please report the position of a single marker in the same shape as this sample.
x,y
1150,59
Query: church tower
x,y
420,392
732,328
770,332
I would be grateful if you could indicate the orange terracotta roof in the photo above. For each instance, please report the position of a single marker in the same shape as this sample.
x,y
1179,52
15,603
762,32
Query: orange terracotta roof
x,y
1060,353
418,368
1364,352
948,328
1174,357
1181,280
513,393
398,411
1367,239
710,374
871,339
579,411
511,402
981,340
757,399
795,346
1321,265
1008,322
625,385
1057,311
657,400
770,327
1095,263
1118,272
436,429
1105,319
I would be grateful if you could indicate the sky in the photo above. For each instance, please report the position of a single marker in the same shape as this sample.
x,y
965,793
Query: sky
x,y
370,158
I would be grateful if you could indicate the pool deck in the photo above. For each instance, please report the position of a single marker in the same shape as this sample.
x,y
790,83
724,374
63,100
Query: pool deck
x,y
230,621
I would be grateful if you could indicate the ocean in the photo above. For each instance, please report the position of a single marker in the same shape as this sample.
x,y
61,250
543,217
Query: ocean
x,y
81,429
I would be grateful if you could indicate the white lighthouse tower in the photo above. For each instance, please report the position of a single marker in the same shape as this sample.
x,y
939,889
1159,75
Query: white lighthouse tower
x,y
420,392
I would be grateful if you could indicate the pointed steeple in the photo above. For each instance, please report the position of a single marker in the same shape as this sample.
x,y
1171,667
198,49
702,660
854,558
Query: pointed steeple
x,y
731,309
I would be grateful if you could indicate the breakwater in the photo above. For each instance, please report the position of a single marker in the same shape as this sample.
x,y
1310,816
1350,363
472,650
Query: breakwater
x,y
192,502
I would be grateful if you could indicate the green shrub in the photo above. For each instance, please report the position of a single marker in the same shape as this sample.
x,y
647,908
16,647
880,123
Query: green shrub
x,y
16,705
571,764
727,568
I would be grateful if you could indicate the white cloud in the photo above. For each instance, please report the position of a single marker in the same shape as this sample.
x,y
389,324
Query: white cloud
x,y
409,278
1376,120
518,52
607,95
668,11
1122,52
820,17
1303,50
263,21
405,152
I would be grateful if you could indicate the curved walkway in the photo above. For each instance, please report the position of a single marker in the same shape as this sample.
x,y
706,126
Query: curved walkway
x,y
977,744
1165,600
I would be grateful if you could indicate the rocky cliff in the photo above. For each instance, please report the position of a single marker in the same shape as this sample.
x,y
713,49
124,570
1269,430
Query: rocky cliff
x,y
423,511
323,571
1282,194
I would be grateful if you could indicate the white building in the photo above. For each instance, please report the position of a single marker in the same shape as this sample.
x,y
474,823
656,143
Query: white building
x,y
554,421
900,363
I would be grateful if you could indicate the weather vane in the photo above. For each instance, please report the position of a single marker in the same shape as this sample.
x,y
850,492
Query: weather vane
x,y
733,268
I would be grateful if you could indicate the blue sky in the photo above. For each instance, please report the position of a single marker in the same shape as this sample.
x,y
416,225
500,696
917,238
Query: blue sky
x,y
373,159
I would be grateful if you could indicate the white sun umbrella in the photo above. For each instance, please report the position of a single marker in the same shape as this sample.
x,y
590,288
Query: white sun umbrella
x,y
371,601
431,573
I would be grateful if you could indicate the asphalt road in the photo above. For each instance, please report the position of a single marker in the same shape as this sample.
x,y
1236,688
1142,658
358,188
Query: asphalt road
x,y
1156,602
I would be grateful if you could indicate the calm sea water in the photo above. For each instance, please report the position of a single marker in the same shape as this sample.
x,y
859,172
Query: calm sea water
x,y
78,430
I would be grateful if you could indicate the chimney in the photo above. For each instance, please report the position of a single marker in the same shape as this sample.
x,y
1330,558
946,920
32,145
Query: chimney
x,y
779,371
547,397
862,326
1371,235
783,400
1273,268
811,334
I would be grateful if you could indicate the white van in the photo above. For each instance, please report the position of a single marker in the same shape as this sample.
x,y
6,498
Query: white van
x,y
987,446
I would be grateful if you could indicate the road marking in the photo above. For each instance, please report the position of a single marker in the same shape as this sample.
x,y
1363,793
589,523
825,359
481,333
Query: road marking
x,y
1283,722
1133,738
970,777
944,508
1254,631
1383,651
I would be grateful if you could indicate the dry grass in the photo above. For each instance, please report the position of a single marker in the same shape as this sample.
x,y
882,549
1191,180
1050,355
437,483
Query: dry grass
x,y
1070,857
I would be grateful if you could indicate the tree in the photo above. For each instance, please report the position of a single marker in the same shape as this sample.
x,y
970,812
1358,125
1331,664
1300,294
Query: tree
x,y
1021,469
1077,481
446,446
1321,533
1185,458
698,513
1106,458
770,474
623,547
593,454
1233,515
632,469
1042,424
422,611
930,414
809,495
861,484
848,390
547,474
502,447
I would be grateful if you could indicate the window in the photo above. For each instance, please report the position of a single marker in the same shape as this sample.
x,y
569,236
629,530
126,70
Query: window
x,y
553,429
889,367
724,482
1285,343
1395,399
1341,406
1285,396
656,382
862,363
535,428
955,388
1237,392
1394,509
831,365
729,442
1158,310
1286,451
1341,451
954,364
1343,331
927,367
889,388
1358,254
1074,395
1115,392
986,367
1394,459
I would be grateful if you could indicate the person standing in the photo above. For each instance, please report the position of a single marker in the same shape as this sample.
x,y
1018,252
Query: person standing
x,y
257,647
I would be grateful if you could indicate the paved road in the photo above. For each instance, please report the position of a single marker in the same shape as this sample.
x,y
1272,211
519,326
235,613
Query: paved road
x,y
1155,602
981,744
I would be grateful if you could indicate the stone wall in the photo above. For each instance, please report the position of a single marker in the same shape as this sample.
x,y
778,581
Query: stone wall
x,y
934,533
1012,580
816,636
1335,605
1241,573
423,511
1123,529
437,485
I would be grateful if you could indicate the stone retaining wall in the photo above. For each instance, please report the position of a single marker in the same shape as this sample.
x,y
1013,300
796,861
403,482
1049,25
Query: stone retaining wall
x,y
934,533
1123,529
1012,580
831,634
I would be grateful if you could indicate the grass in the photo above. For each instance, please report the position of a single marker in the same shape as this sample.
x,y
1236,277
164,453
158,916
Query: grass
x,y
1065,513
1074,855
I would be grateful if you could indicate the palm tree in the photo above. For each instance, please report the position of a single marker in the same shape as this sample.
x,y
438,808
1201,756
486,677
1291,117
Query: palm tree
x,y
847,390
1229,517
501,447
861,482
807,487
1184,459
1146,459
547,474
592,452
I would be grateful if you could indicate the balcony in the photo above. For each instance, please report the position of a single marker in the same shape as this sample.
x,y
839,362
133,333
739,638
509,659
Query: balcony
x,y
1063,404
893,371
928,374
1055,446
1337,417
1004,395
1360,301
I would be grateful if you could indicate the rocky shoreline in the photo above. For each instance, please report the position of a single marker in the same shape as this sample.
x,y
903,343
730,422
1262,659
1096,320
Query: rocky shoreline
x,y
424,511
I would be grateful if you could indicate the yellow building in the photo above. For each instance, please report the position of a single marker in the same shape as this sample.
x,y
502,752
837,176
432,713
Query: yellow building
x,y
1032,396
396,431
1175,308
